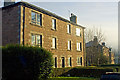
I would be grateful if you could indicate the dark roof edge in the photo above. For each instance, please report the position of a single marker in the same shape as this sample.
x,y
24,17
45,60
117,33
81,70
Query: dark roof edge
x,y
41,10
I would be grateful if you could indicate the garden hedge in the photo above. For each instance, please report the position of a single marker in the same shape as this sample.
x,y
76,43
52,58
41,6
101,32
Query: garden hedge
x,y
25,63
81,72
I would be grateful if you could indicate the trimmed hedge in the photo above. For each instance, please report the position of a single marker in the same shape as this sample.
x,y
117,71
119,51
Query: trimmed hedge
x,y
110,65
115,66
25,63
81,72
73,78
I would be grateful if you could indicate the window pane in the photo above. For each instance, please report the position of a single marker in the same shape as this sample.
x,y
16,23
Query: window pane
x,y
38,19
41,40
68,45
68,31
38,40
53,42
55,62
78,60
77,46
69,61
81,46
77,31
81,60
69,28
53,24
33,40
33,16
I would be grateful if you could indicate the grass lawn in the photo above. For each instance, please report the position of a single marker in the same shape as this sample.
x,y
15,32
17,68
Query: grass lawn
x,y
73,78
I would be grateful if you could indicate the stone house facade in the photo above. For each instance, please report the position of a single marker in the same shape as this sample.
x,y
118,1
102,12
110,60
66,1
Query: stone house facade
x,y
93,49
27,24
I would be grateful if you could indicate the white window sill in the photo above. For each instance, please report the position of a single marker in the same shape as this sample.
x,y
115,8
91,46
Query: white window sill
x,y
53,29
53,48
79,50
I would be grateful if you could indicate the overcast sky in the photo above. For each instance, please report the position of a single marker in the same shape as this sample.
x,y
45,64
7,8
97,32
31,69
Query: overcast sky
x,y
97,13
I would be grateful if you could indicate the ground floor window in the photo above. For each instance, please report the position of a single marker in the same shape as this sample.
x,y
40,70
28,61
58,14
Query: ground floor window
x,y
55,62
70,61
63,62
79,60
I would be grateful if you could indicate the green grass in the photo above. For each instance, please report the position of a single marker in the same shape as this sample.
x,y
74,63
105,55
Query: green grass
x,y
73,78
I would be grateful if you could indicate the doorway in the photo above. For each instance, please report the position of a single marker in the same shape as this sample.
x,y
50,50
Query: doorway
x,y
63,62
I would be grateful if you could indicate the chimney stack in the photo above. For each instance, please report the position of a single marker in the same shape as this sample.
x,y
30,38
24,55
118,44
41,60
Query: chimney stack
x,y
8,2
95,38
73,18
103,43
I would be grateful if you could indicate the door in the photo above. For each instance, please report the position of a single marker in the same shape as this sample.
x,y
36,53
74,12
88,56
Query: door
x,y
63,62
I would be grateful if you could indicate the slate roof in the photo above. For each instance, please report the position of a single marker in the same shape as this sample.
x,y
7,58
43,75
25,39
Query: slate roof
x,y
42,11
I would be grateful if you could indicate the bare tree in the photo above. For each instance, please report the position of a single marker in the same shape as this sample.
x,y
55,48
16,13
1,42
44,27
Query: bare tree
x,y
94,54
91,32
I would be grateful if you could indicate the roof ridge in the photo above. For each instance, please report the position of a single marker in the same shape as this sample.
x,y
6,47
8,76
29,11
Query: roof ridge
x,y
41,10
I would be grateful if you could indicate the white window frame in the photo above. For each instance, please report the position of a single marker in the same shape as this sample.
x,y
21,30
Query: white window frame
x,y
78,33
36,41
79,46
69,29
69,44
54,43
79,61
33,42
69,61
36,18
54,24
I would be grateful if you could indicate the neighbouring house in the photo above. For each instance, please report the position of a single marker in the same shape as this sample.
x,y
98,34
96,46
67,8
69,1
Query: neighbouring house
x,y
118,58
93,49
27,24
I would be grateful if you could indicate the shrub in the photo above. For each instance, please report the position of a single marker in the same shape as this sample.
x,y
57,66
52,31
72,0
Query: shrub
x,y
81,71
25,63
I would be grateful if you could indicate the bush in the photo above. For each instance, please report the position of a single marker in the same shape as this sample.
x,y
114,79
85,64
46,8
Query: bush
x,y
115,66
25,63
81,72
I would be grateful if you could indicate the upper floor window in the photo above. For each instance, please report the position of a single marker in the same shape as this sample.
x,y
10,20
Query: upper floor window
x,y
54,24
78,32
36,18
68,28
54,43
36,40
79,47
69,45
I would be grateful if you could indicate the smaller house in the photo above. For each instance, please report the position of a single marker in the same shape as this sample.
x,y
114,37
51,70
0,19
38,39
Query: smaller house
x,y
94,49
